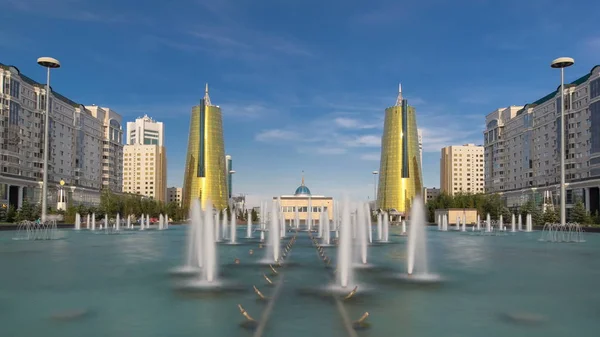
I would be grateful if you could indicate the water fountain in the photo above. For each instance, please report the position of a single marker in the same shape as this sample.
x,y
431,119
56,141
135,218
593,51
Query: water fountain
x,y
361,227
464,224
217,225
478,222
326,231
512,223
379,227
147,220
457,223
77,221
249,225
445,222
501,223
439,222
555,232
488,223
93,221
403,227
88,223
297,218
344,258
142,217
369,222
233,230
520,223
129,222
35,230
320,229
529,225
224,225
193,260
118,222
417,265
272,253
386,228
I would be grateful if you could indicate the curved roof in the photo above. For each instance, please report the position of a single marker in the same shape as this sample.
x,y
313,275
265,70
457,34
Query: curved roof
x,y
302,190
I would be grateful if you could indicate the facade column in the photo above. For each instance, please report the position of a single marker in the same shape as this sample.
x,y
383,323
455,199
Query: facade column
x,y
586,194
20,197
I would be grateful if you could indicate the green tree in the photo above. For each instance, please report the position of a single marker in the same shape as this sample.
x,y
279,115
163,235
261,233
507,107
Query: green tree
x,y
11,214
550,216
579,214
110,203
27,211
3,213
254,214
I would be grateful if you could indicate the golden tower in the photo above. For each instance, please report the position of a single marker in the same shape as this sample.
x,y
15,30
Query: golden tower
x,y
205,176
400,178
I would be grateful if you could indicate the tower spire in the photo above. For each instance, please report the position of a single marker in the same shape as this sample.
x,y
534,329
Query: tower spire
x,y
399,99
302,177
206,97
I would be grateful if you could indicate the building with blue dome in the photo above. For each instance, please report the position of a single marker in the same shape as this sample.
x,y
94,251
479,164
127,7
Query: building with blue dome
x,y
307,205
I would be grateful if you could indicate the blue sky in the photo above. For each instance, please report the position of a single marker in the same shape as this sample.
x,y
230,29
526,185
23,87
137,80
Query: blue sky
x,y
303,84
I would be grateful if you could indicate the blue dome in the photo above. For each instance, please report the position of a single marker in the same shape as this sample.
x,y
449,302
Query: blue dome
x,y
302,190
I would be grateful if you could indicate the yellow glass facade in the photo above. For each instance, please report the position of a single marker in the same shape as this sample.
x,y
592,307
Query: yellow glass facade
x,y
205,176
400,178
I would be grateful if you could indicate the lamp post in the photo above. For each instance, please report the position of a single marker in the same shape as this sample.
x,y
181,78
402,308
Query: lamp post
x,y
48,63
375,173
562,63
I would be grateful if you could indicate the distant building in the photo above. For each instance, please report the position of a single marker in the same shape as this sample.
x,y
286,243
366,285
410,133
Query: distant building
x,y
145,158
205,165
112,147
431,193
462,169
229,172
522,146
400,176
174,195
302,200
80,145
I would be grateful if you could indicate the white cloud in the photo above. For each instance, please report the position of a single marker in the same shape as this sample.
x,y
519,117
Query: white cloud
x,y
365,141
276,134
353,123
371,156
331,150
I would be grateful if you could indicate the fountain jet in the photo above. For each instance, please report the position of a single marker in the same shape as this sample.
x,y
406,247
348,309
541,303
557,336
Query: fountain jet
x,y
249,226
344,272
361,226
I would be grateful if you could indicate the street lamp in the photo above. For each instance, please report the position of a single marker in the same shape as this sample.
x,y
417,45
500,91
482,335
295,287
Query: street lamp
x,y
562,63
375,173
48,63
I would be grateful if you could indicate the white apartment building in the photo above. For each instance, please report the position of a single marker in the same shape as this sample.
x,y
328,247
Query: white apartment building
x,y
145,131
112,147
174,195
75,147
522,146
462,169
145,159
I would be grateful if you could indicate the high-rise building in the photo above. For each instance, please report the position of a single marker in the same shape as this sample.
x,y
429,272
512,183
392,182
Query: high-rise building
x,y
76,145
145,131
400,178
420,135
522,147
229,172
205,177
145,157
462,169
174,195
112,147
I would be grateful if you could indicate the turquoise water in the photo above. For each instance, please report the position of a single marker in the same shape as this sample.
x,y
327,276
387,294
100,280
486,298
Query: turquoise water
x,y
119,285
